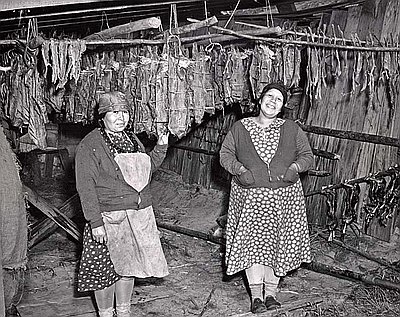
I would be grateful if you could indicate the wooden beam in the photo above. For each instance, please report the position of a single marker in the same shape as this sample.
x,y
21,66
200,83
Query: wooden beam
x,y
189,27
125,29
350,135
326,154
44,228
286,8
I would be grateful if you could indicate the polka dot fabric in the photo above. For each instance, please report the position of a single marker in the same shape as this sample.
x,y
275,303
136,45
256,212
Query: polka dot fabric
x,y
120,142
123,142
96,271
266,226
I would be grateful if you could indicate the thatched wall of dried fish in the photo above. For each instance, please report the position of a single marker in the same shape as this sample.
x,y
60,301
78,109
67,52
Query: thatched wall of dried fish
x,y
355,91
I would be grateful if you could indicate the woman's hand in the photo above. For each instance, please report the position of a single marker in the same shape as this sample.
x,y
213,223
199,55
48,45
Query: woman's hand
x,y
163,139
242,170
99,234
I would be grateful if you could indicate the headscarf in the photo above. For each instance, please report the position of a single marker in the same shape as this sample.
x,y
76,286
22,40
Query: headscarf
x,y
112,101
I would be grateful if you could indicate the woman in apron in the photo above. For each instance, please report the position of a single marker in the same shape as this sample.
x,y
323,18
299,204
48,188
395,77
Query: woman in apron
x,y
121,240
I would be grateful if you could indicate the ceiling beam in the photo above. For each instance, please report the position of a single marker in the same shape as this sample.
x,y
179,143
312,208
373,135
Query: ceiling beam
x,y
7,5
286,8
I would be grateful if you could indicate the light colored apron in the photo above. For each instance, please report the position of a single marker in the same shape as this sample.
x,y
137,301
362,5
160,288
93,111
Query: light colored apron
x,y
133,238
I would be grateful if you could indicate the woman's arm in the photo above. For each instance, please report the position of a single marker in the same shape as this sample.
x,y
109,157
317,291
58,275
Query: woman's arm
x,y
159,152
86,170
305,157
227,156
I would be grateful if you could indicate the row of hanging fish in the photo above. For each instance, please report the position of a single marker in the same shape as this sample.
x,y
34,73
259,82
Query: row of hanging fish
x,y
332,58
382,203
174,89
383,198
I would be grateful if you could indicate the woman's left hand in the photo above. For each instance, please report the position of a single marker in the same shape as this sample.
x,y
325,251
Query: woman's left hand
x,y
99,234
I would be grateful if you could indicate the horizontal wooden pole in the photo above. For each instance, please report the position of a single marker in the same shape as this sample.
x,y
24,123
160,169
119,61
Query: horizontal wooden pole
x,y
350,135
318,173
124,29
364,254
388,172
326,154
351,275
192,149
189,27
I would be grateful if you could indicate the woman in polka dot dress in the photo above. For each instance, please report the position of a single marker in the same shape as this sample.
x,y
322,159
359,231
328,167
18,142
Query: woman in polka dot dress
x,y
267,231
121,239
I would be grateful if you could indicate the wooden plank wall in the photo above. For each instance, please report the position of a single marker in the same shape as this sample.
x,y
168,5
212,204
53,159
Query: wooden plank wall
x,y
339,108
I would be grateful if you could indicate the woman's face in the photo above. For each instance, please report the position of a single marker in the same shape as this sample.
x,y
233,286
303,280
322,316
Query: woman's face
x,y
116,121
271,103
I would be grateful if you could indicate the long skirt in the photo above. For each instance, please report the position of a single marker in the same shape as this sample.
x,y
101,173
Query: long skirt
x,y
267,226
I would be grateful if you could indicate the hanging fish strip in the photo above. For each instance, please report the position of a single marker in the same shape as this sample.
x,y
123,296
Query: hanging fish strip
x,y
145,111
179,120
260,68
217,65
26,106
196,90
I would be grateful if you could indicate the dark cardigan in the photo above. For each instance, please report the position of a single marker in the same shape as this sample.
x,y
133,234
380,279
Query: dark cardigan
x,y
100,183
293,147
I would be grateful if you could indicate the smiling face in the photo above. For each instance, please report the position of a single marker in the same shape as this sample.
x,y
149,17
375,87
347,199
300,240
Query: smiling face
x,y
271,103
116,120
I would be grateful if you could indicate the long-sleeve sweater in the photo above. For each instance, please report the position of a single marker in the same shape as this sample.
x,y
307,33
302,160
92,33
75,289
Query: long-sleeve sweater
x,y
99,180
238,150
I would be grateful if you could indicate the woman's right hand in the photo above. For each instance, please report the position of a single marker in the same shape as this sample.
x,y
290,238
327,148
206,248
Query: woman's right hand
x,y
242,170
99,234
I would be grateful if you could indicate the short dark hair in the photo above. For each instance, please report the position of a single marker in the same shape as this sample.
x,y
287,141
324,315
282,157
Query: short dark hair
x,y
274,85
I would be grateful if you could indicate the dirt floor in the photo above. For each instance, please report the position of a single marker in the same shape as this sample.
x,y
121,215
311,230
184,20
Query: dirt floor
x,y
197,285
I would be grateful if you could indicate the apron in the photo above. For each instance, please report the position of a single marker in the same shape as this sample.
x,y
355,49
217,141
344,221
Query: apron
x,y
133,238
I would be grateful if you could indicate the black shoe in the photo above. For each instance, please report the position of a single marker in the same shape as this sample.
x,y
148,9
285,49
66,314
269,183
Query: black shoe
x,y
257,306
271,303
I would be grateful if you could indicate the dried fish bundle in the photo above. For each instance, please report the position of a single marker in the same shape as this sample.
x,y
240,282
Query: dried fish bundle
x,y
291,58
63,59
161,95
235,75
196,85
216,67
314,72
128,83
75,50
208,86
85,97
260,68
179,120
152,90
144,111
26,106
277,71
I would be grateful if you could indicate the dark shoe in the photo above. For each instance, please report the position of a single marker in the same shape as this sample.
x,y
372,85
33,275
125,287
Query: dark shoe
x,y
257,306
271,303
